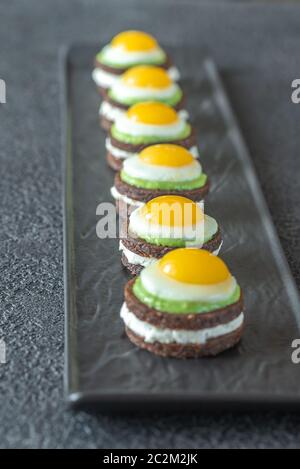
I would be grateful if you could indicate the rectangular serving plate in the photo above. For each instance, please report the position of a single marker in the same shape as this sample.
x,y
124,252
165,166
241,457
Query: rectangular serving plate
x,y
101,366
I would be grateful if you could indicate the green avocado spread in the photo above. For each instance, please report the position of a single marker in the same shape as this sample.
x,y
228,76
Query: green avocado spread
x,y
101,57
171,101
180,307
149,139
174,242
165,185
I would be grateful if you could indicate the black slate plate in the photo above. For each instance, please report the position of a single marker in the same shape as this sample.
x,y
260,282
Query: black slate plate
x,y
102,367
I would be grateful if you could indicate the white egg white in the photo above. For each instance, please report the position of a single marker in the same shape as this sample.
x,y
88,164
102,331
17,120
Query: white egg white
x,y
123,92
107,80
121,56
136,167
193,235
159,284
128,126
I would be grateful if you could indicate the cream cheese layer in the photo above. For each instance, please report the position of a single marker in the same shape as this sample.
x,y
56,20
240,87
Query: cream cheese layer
x,y
152,334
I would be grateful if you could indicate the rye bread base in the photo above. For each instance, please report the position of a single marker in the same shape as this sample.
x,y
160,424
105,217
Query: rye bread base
x,y
187,322
124,210
118,71
134,269
144,195
142,248
105,123
210,349
113,162
187,143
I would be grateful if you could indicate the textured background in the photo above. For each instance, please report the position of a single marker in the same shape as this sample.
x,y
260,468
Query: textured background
x,y
256,46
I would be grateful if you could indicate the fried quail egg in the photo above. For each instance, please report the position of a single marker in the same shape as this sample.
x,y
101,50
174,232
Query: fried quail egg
x,y
144,83
189,274
163,162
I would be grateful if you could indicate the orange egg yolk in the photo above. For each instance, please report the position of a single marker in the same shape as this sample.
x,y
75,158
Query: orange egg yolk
x,y
172,211
195,266
146,76
134,41
152,113
166,154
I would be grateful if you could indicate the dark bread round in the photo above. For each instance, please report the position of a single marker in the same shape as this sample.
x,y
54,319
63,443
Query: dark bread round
x,y
142,248
144,195
211,348
134,269
105,123
187,143
118,71
113,162
193,321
